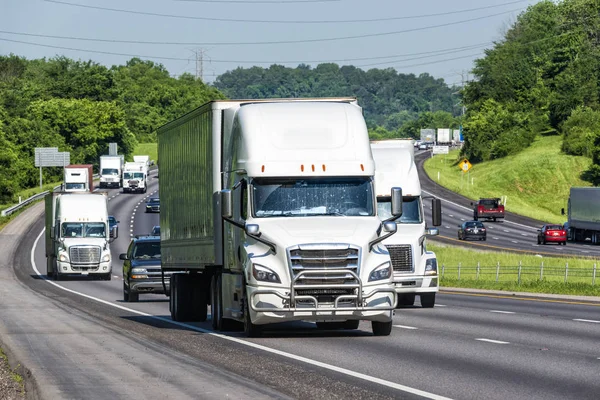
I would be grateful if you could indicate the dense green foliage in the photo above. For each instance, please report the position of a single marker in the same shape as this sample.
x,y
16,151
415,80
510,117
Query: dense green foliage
x,y
396,105
543,77
80,107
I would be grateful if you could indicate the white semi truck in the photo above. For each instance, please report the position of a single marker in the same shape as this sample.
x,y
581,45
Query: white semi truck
x,y
269,206
583,213
415,268
111,170
135,177
78,178
77,235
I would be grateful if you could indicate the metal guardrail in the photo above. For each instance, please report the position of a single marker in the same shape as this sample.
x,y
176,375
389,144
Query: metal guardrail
x,y
31,199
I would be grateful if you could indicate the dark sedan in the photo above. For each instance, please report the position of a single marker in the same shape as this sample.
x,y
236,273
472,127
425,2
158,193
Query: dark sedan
x,y
153,205
552,234
472,230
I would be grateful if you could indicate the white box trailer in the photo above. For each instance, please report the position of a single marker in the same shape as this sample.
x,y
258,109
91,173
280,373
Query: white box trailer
x,y
111,170
269,206
415,268
583,213
77,235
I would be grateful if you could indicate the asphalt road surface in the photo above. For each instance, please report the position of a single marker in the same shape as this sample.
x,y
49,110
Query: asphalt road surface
x,y
80,340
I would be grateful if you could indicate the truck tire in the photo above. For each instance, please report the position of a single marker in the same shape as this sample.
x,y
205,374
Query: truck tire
x,y
180,298
381,328
50,267
427,300
219,323
250,329
199,288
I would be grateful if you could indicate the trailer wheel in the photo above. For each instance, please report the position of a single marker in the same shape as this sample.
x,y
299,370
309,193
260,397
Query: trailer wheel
x,y
50,267
179,301
381,328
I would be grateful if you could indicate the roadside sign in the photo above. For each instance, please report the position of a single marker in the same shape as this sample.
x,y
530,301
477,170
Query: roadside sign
x,y
465,165
441,149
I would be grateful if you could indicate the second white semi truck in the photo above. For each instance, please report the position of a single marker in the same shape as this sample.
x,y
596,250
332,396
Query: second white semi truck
x,y
77,235
135,177
415,268
269,205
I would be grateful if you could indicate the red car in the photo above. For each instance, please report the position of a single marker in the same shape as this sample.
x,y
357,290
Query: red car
x,y
552,233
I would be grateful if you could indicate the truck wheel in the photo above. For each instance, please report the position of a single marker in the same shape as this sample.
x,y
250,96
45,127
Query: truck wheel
x,y
216,308
250,329
199,294
179,300
50,267
381,328
427,300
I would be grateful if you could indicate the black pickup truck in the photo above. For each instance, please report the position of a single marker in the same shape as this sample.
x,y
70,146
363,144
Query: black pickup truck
x,y
488,208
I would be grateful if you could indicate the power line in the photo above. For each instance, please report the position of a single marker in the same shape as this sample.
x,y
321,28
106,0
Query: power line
x,y
319,40
432,53
216,19
260,1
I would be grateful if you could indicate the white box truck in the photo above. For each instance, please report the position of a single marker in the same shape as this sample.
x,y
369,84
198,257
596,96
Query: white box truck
x,y
111,171
269,206
415,268
142,159
77,235
583,214
135,177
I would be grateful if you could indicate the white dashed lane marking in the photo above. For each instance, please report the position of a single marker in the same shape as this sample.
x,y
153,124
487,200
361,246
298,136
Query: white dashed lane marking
x,y
492,341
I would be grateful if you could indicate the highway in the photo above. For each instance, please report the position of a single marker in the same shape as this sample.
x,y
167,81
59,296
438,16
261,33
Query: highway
x,y
80,340
516,233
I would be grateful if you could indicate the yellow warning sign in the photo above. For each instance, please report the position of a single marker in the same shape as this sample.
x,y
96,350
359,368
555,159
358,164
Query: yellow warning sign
x,y
465,165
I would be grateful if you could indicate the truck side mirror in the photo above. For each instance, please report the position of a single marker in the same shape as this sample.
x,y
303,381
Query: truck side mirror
x,y
390,226
252,230
432,231
123,256
226,203
396,201
436,212
562,211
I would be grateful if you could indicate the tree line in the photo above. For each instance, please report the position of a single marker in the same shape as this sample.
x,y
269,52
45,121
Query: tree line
x,y
80,107
542,78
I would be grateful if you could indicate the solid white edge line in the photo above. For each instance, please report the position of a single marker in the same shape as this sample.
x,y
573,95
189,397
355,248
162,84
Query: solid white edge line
x,y
440,305
491,341
405,327
344,371
586,320
502,312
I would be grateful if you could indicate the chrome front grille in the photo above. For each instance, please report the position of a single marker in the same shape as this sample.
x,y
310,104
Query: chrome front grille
x,y
320,257
401,256
84,254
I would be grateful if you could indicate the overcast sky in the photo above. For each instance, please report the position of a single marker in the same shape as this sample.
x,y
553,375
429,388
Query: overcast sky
x,y
210,37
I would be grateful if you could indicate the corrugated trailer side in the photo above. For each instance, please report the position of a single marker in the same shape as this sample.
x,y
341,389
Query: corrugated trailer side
x,y
185,151
584,212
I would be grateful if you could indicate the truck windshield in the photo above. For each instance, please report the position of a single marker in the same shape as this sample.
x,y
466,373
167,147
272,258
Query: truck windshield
x,y
74,186
133,175
109,171
87,229
411,210
278,197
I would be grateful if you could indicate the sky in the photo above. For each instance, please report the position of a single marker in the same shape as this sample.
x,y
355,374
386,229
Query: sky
x,y
209,37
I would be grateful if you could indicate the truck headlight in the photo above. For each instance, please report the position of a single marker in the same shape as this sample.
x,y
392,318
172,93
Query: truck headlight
x,y
262,273
106,257
63,257
139,271
431,266
384,271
